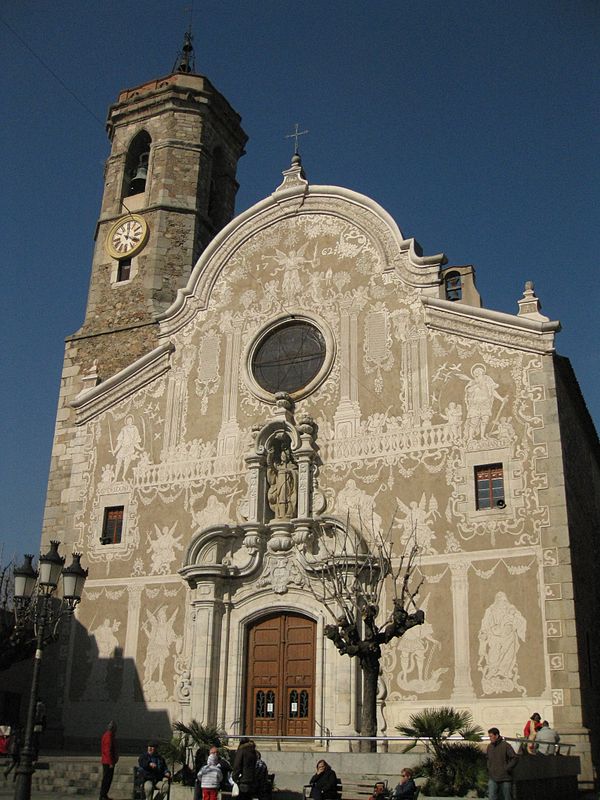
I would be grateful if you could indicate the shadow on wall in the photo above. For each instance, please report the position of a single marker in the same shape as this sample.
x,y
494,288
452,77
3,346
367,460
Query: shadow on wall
x,y
103,685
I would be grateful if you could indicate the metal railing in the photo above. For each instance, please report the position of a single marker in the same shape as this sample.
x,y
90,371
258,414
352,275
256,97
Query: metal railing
x,y
326,738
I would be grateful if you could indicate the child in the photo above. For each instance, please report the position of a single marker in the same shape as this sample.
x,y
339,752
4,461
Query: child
x,y
210,777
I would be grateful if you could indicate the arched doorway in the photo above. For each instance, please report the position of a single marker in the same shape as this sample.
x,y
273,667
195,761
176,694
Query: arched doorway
x,y
280,698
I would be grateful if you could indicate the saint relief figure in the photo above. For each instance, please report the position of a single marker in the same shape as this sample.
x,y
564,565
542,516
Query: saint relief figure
x,y
105,661
161,636
214,512
500,635
354,503
282,477
106,640
480,393
127,448
417,648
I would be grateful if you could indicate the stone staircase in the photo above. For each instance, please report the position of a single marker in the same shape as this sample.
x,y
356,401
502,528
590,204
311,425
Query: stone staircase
x,y
80,776
75,775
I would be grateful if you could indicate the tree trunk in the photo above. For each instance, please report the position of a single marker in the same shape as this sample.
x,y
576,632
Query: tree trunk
x,y
368,723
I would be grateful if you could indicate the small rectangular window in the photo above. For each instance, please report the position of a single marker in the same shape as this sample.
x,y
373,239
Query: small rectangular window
x,y
489,486
124,270
112,527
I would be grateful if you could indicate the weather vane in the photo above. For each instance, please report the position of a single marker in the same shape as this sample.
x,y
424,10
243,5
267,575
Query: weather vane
x,y
297,133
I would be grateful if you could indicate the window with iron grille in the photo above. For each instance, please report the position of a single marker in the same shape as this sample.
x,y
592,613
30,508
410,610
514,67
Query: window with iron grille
x,y
489,486
112,526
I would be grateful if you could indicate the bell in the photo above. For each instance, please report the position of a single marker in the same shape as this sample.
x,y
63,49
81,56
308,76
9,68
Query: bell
x,y
138,181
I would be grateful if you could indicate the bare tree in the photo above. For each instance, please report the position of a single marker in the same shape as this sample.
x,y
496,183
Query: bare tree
x,y
353,578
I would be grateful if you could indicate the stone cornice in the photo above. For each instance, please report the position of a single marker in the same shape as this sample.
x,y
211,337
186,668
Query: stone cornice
x,y
91,402
486,325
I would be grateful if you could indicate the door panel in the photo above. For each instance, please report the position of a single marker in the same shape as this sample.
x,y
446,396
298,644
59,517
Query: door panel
x,y
281,675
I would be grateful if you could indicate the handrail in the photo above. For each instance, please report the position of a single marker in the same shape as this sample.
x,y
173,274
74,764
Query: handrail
x,y
328,737
524,741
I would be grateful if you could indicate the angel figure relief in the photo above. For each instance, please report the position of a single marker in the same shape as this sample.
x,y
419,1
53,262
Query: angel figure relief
x,y
161,636
291,262
162,549
417,523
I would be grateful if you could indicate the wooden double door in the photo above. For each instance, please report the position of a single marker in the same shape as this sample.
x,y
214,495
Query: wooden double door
x,y
281,676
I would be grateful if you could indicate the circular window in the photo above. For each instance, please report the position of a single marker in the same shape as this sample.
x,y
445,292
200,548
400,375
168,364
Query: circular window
x,y
289,357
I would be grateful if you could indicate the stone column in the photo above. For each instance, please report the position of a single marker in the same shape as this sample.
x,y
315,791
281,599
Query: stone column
x,y
228,435
130,678
205,677
463,687
176,406
347,415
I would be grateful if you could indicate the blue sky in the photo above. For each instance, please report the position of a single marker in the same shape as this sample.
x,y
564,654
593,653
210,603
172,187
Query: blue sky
x,y
473,122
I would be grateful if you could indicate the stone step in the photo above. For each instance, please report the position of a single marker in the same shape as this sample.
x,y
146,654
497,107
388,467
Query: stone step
x,y
81,775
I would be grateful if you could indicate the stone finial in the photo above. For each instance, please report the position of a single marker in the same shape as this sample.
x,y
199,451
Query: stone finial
x,y
529,304
306,424
294,178
91,377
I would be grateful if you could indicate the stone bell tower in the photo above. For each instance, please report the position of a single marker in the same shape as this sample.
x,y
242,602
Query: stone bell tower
x,y
169,187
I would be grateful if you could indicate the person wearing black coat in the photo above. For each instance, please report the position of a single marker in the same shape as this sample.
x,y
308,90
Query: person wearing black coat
x,y
244,768
324,783
407,788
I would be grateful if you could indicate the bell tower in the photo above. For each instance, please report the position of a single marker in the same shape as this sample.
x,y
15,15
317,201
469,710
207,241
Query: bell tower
x,y
169,187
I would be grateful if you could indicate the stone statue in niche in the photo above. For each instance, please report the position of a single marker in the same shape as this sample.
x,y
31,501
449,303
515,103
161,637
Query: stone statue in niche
x,y
282,477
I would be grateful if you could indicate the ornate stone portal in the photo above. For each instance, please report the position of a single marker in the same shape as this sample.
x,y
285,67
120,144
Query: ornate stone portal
x,y
282,469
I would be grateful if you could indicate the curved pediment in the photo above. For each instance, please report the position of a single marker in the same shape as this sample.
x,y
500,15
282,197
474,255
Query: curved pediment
x,y
301,231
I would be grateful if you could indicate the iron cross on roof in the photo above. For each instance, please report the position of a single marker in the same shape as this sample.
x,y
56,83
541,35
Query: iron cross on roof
x,y
295,136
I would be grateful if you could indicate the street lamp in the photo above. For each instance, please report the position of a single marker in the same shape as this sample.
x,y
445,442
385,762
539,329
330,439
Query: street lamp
x,y
33,608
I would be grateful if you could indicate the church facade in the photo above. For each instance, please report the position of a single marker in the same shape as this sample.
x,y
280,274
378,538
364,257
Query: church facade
x,y
245,395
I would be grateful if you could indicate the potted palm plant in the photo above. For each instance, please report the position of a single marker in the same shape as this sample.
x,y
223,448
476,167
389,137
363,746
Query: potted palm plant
x,y
189,746
455,766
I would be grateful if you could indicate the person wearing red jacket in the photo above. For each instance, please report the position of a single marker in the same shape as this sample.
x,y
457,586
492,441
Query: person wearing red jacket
x,y
108,750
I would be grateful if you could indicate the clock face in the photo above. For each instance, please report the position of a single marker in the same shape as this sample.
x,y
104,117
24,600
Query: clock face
x,y
127,236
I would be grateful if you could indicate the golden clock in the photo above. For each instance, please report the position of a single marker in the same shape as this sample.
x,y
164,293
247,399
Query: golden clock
x,y
127,236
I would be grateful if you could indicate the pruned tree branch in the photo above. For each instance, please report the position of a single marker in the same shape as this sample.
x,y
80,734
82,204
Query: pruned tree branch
x,y
351,585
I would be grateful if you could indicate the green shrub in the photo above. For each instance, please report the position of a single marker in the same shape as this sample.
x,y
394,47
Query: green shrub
x,y
191,742
454,767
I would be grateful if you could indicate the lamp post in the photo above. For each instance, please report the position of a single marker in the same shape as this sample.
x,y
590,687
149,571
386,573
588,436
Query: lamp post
x,y
34,607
